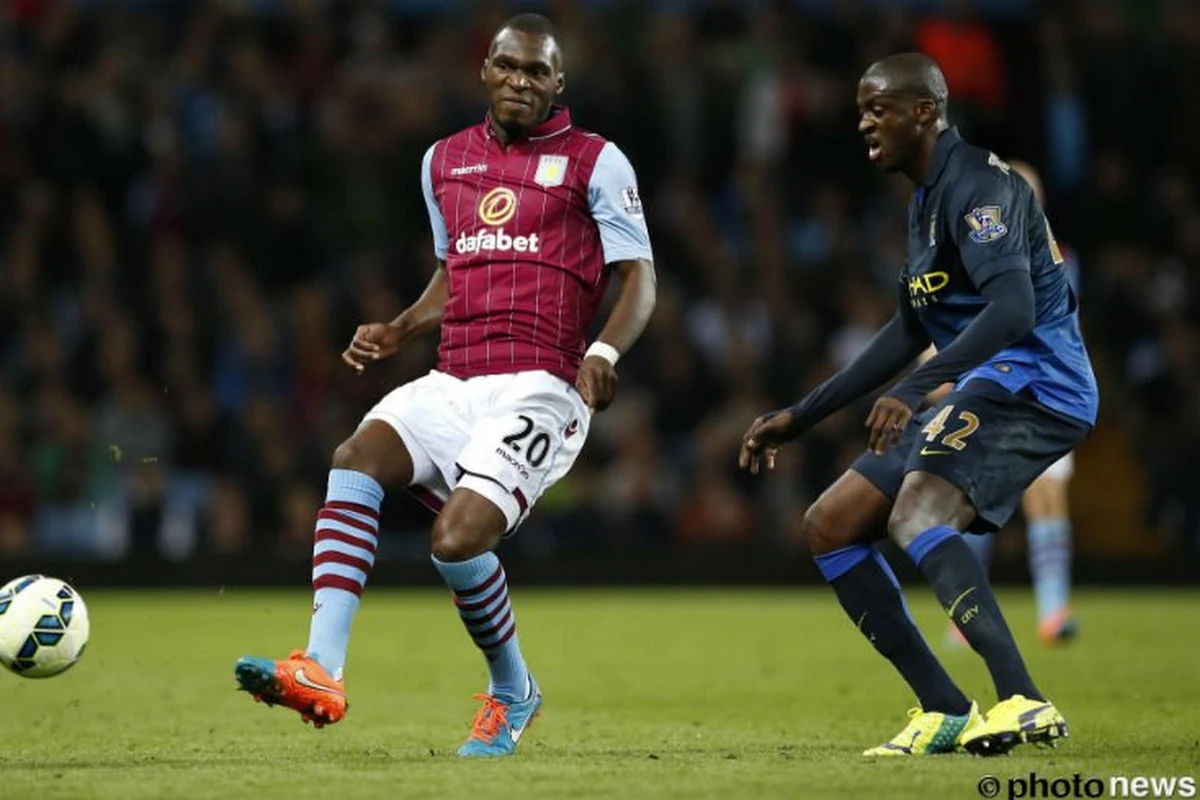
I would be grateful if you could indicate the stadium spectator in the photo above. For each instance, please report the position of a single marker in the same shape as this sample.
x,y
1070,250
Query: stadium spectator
x,y
199,200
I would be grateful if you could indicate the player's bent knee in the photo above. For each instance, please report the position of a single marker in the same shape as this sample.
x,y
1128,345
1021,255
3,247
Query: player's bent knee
x,y
466,527
816,527
904,526
454,541
376,450
849,512
927,501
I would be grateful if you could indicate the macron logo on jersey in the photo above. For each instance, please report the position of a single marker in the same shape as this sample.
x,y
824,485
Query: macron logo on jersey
x,y
496,208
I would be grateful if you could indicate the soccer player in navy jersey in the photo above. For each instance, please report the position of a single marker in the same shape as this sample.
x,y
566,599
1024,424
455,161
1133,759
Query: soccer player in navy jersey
x,y
983,282
531,217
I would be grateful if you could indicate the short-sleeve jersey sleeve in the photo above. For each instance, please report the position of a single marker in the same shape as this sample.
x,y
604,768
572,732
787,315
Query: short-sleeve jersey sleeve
x,y
617,208
441,237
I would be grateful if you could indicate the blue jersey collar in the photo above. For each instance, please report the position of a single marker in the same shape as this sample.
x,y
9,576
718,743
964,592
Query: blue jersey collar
x,y
947,141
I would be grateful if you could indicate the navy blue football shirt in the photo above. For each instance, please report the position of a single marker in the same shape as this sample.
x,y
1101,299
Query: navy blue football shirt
x,y
971,219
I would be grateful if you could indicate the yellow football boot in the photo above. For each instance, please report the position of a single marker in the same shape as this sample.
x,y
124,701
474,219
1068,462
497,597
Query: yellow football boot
x,y
929,733
1013,721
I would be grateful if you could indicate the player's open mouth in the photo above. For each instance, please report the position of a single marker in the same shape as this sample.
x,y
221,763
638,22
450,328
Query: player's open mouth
x,y
874,149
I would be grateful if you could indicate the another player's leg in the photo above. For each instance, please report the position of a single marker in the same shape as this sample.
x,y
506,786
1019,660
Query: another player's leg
x,y
310,681
926,521
1049,540
466,531
982,545
838,527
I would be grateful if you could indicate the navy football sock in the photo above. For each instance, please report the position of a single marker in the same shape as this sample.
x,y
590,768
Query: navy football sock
x,y
982,545
961,586
870,594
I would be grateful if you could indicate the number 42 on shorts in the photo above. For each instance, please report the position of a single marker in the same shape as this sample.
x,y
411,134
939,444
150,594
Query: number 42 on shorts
x,y
956,439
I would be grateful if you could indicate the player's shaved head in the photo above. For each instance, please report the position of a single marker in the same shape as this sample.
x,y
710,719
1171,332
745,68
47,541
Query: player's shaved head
x,y
523,74
914,74
902,103
536,25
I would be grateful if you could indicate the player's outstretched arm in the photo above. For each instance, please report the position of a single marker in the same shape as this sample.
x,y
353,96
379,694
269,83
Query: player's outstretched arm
x,y
597,381
375,340
1008,315
894,347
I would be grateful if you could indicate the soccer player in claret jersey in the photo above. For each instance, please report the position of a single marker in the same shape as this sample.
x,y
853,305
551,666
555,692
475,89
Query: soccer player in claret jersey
x,y
983,282
531,216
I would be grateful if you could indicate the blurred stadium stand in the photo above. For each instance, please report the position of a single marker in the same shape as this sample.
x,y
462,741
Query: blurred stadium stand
x,y
198,202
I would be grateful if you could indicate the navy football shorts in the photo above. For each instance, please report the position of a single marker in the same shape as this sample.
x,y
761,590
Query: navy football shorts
x,y
985,440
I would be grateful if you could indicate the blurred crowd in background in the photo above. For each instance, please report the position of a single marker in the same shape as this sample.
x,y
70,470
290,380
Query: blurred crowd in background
x,y
199,201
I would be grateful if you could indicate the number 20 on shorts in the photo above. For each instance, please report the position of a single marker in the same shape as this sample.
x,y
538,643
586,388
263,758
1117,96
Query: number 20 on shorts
x,y
538,447
955,439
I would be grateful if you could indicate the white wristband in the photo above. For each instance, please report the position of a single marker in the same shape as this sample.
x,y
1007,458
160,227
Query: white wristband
x,y
605,351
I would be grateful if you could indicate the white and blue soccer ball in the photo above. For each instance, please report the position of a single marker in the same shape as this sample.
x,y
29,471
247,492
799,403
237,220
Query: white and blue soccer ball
x,y
43,626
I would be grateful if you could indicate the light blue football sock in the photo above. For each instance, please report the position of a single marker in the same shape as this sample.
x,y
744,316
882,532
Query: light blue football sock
x,y
343,555
481,595
1050,563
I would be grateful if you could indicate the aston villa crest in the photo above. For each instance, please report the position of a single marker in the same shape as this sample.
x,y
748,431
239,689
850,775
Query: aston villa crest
x,y
551,171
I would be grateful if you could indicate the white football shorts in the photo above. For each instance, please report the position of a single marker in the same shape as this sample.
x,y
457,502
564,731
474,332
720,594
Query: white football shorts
x,y
1061,470
507,437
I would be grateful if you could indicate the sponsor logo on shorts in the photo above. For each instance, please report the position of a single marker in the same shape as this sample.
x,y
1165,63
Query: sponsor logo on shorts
x,y
500,451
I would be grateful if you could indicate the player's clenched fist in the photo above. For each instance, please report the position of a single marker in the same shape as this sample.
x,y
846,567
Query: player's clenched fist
x,y
371,342
596,382
762,440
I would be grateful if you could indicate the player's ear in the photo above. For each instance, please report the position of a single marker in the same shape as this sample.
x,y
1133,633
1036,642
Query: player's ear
x,y
926,112
560,83
483,70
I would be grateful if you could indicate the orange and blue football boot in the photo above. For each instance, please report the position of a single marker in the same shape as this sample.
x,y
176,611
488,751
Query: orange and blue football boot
x,y
499,724
298,683
1057,628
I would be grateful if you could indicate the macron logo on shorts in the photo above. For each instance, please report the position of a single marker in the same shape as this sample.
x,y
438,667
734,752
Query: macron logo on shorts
x,y
571,429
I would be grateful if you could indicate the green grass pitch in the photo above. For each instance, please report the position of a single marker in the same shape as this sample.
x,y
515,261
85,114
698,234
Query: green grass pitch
x,y
688,694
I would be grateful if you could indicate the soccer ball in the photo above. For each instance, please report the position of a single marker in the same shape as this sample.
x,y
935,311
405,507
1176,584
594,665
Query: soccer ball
x,y
43,626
